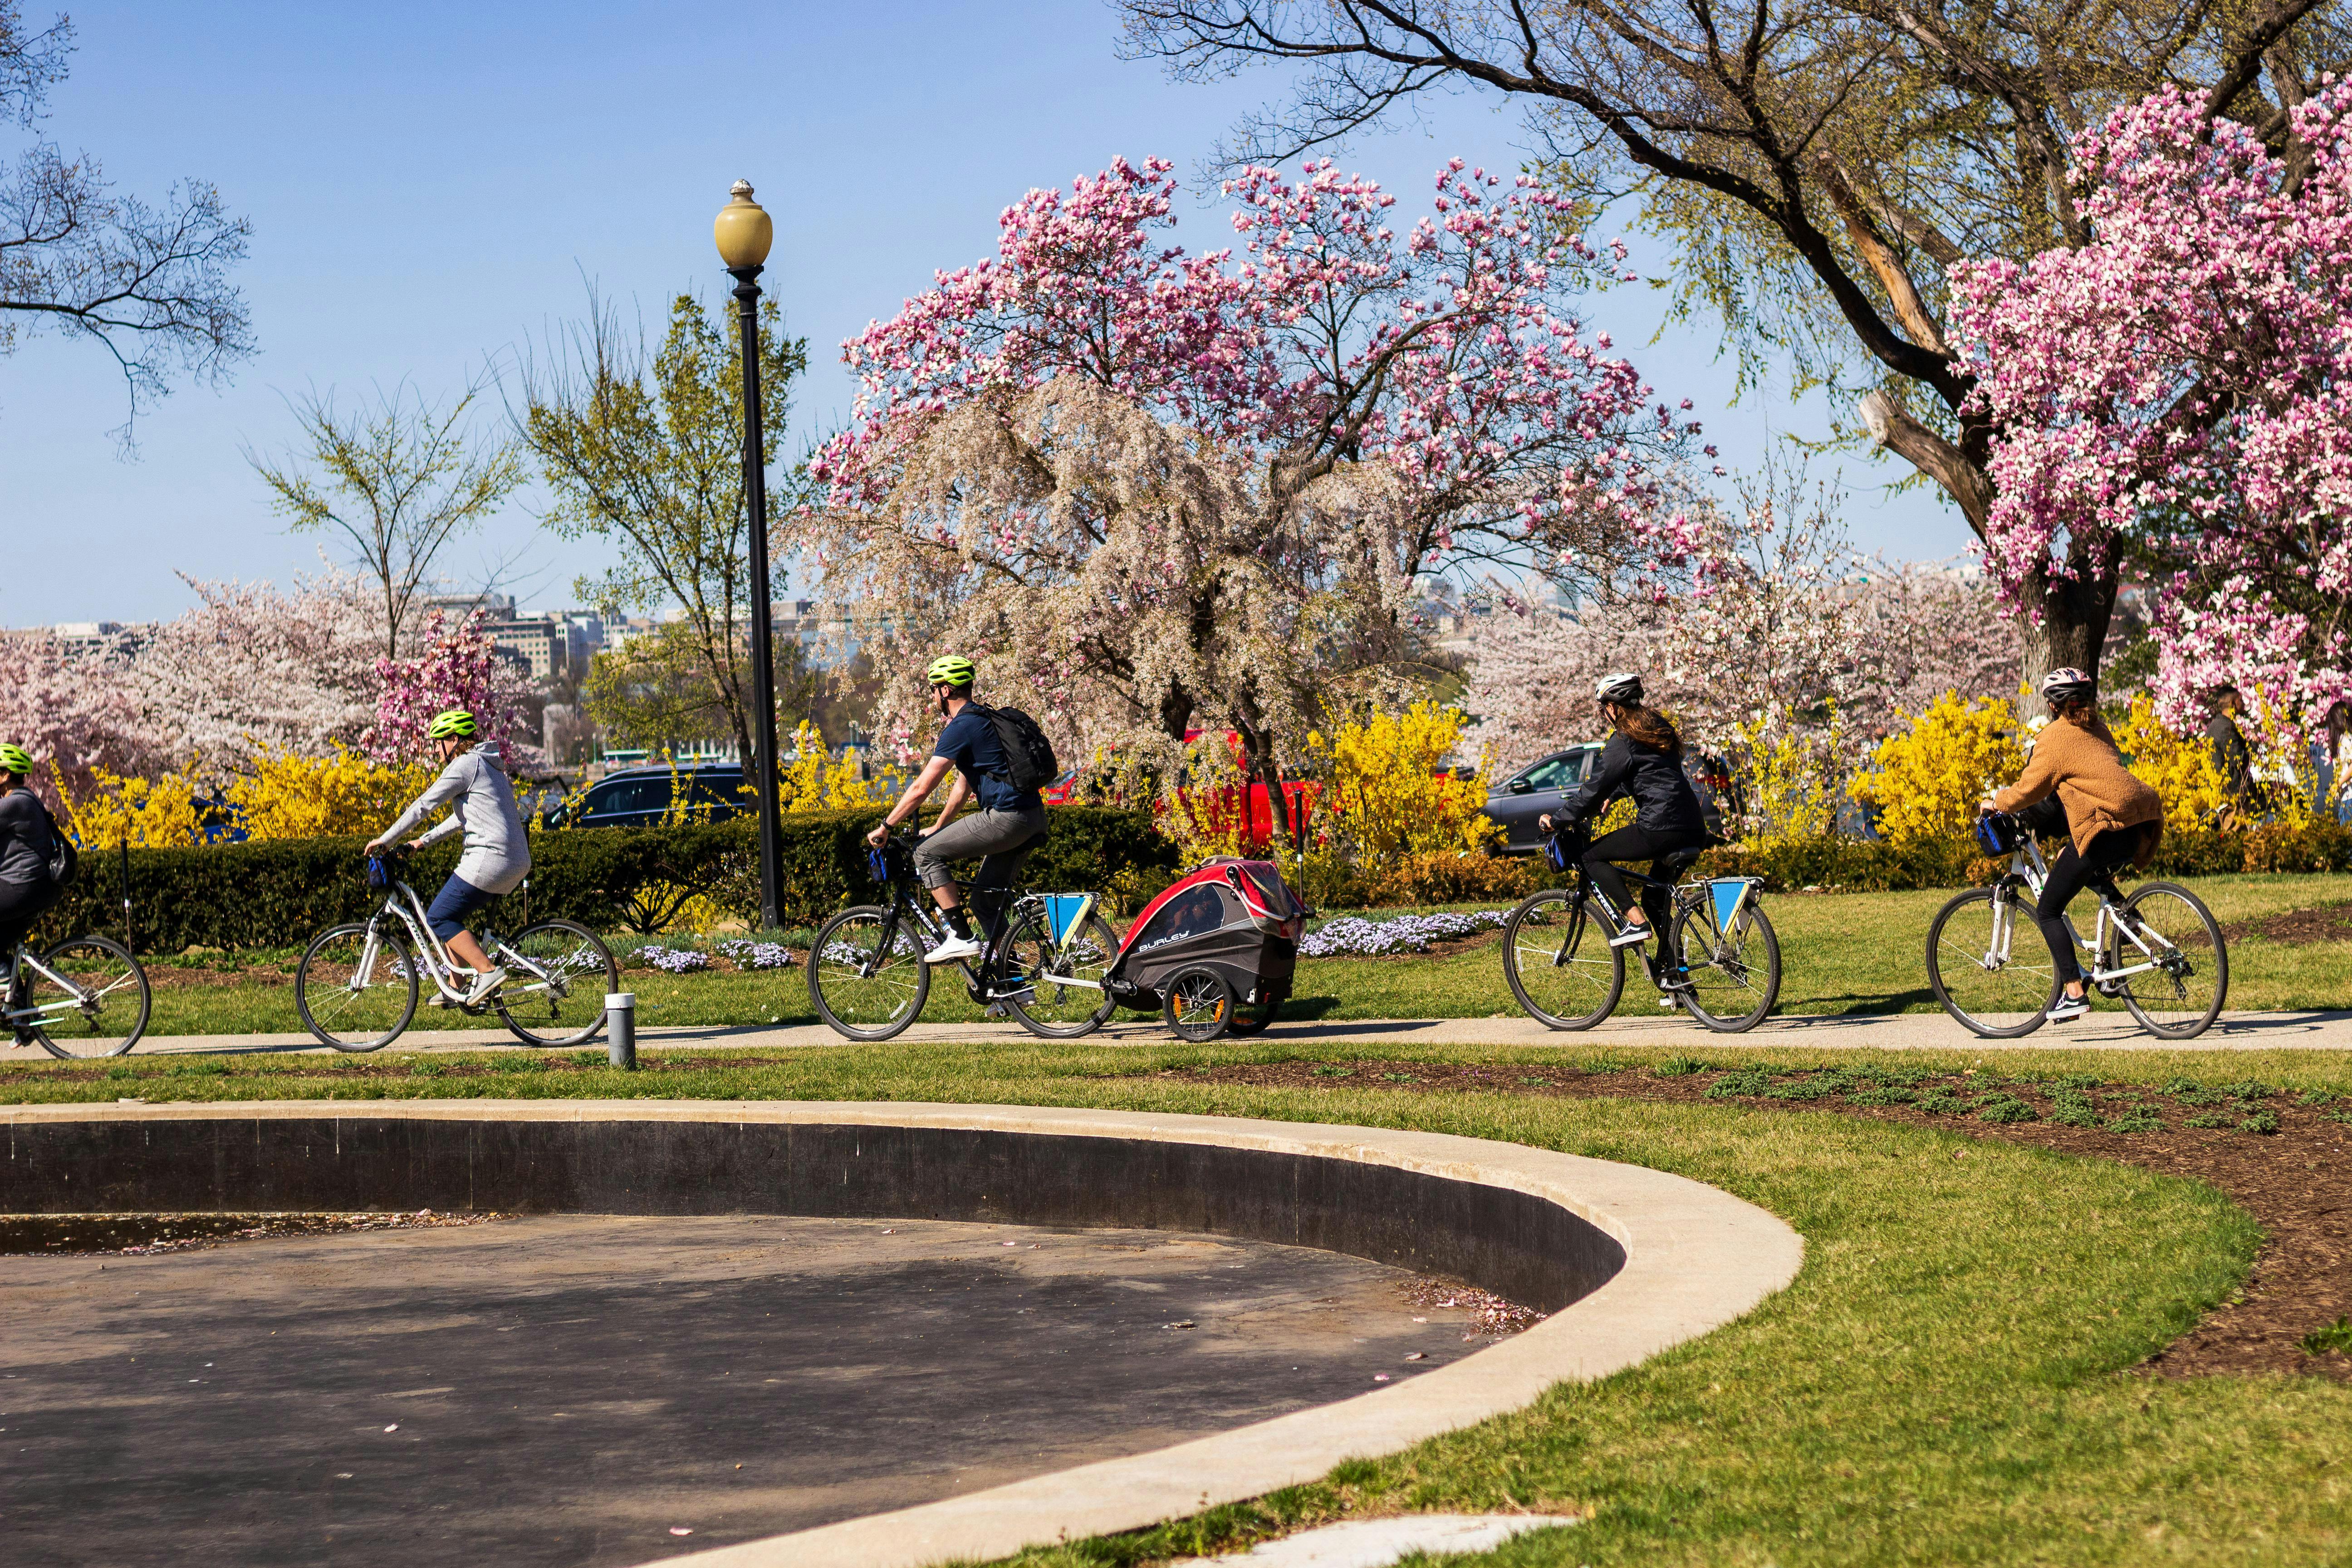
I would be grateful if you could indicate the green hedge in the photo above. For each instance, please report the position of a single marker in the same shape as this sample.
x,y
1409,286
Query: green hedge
x,y
1854,865
279,894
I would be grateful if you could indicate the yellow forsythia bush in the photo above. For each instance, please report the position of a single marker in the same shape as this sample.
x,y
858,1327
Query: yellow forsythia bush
x,y
813,781
1792,778
1928,779
2181,771
145,814
288,796
1390,792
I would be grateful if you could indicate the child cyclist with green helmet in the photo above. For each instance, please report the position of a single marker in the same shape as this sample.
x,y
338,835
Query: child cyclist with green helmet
x,y
474,785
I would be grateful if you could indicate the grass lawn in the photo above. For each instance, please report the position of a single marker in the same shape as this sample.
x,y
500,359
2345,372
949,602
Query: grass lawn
x,y
1841,953
1948,1380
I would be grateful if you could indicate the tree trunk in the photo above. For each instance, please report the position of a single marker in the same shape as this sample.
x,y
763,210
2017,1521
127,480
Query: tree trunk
x,y
2066,620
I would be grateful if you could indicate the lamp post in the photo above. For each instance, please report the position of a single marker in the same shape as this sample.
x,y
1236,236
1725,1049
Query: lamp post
x,y
744,233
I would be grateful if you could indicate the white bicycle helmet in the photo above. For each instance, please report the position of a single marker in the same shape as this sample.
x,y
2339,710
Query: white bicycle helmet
x,y
1622,687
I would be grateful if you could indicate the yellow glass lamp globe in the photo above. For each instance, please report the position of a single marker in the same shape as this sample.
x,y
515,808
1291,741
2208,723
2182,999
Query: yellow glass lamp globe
x,y
743,230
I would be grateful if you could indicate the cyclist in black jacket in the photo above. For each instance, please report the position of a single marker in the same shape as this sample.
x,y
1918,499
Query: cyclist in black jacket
x,y
1642,759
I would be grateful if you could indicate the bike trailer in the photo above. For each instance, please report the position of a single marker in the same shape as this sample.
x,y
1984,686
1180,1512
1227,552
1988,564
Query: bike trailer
x,y
1228,921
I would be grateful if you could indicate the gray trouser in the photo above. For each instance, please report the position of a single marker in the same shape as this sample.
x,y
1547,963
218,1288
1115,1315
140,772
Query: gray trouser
x,y
1002,838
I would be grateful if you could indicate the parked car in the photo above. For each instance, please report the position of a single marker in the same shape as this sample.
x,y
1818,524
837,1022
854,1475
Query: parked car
x,y
1517,799
645,796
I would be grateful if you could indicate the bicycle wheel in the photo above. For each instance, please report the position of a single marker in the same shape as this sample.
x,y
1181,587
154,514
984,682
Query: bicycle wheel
x,y
1735,978
1249,1018
1558,961
867,986
1059,1012
1198,1005
1999,995
355,991
104,1012
2179,999
557,974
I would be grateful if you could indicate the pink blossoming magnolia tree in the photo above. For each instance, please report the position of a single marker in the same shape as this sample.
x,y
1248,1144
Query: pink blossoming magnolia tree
x,y
458,668
2173,395
1152,491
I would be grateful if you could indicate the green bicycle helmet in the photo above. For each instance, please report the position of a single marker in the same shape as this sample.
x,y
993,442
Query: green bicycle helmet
x,y
950,669
450,722
15,759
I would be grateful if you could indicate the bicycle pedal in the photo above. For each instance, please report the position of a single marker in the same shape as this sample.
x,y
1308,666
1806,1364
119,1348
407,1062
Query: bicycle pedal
x,y
995,1010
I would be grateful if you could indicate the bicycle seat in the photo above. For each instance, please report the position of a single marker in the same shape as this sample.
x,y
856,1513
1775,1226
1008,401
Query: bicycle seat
x,y
1680,861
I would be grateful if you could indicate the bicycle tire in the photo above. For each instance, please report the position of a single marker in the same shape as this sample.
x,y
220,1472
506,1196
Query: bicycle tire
x,y
367,1029
1534,922
89,1042
1198,1005
906,1007
1735,967
541,1002
2018,991
2197,1023
1250,1019
1106,945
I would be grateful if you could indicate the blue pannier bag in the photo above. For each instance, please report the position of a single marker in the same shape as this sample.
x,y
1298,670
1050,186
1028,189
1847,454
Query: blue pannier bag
x,y
1998,832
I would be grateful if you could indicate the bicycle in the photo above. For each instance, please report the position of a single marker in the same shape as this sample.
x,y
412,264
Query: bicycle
x,y
87,996
1723,954
357,987
2175,986
1044,964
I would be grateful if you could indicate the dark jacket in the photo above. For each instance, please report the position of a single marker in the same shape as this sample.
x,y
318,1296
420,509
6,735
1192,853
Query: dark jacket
x,y
24,843
1663,801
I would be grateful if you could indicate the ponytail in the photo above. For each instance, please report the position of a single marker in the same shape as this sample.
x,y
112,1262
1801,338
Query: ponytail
x,y
1648,727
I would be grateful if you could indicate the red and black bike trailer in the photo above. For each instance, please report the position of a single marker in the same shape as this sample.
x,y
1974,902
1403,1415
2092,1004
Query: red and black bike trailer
x,y
1215,951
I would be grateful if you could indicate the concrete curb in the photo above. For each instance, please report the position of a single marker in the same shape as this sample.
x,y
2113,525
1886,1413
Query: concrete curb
x,y
1695,1258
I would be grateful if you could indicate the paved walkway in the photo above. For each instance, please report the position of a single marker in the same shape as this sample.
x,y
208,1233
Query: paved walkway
x,y
2103,1030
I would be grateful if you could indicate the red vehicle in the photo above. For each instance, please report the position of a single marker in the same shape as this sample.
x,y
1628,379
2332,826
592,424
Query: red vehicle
x,y
1249,808
1215,952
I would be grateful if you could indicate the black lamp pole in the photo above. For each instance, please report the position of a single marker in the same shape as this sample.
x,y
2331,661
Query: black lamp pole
x,y
733,249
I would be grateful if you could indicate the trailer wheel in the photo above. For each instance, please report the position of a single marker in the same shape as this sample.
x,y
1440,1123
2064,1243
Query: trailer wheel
x,y
1198,1006
1249,1020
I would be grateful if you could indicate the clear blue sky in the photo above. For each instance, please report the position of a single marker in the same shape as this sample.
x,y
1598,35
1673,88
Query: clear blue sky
x,y
429,184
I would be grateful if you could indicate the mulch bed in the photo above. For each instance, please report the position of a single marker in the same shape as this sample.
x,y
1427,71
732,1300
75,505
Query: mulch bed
x,y
2286,1162
2326,922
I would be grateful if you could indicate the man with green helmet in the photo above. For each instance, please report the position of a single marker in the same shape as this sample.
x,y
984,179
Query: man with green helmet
x,y
474,785
27,847
1010,822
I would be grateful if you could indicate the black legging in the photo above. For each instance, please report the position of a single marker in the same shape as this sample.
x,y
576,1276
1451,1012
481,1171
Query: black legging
x,y
1638,844
2069,875
21,904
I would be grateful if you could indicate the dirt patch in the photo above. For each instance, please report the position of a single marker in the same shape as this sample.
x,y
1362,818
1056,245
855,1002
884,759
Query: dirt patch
x,y
2326,922
1496,1317
66,1234
2287,1160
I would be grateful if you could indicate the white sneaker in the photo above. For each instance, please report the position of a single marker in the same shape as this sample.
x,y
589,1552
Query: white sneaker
x,y
484,983
2068,1008
1631,936
955,947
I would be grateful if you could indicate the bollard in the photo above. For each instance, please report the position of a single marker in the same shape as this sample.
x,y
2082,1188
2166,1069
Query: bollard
x,y
621,1029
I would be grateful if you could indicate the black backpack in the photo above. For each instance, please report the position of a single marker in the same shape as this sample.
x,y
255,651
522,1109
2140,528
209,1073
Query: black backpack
x,y
64,859
1029,761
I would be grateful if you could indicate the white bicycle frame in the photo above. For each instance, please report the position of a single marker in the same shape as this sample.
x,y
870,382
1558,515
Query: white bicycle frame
x,y
35,1017
438,965
2028,866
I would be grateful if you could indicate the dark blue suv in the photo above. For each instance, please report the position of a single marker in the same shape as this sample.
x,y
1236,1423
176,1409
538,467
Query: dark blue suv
x,y
645,796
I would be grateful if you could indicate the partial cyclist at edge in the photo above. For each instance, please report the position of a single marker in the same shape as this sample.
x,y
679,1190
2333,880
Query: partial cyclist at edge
x,y
1642,759
27,893
1008,826
496,856
2113,818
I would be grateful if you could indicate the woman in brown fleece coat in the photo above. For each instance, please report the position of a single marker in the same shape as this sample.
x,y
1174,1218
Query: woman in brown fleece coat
x,y
2112,817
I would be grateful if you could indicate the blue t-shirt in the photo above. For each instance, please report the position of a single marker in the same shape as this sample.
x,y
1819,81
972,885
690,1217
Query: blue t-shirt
x,y
970,743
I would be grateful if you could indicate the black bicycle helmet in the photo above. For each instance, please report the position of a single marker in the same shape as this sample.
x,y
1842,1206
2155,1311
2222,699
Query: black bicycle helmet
x,y
2067,684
